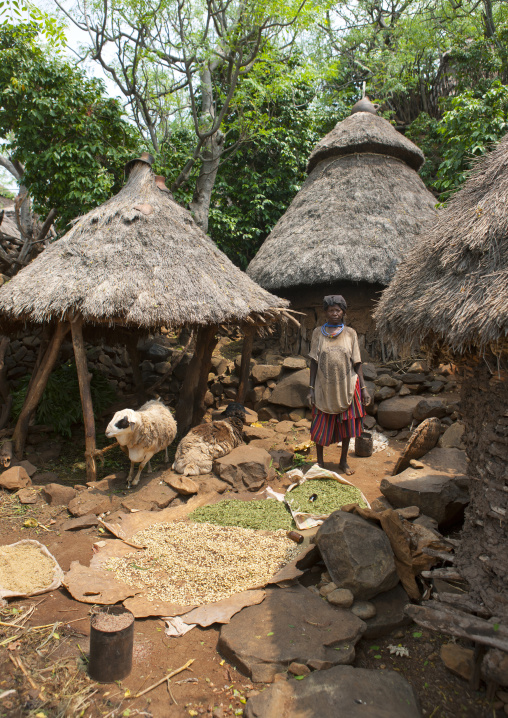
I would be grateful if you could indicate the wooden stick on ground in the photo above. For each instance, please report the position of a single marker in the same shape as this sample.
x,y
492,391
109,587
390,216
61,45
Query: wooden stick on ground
x,y
446,620
17,662
163,680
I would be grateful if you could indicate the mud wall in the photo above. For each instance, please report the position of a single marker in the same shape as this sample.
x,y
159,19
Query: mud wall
x,y
361,298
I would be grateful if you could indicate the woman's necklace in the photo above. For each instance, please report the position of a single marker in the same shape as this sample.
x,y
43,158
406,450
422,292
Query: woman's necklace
x,y
338,330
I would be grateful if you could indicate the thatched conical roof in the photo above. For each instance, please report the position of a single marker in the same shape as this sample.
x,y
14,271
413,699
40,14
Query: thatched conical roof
x,y
364,132
138,260
452,289
358,213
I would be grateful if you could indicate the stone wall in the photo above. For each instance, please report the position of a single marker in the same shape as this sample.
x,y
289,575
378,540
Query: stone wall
x,y
482,558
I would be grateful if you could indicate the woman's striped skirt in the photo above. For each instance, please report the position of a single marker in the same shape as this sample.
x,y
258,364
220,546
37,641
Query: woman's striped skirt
x,y
329,428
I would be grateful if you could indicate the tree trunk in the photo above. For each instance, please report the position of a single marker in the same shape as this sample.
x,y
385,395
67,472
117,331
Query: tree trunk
x,y
84,377
482,557
191,407
210,154
248,341
37,388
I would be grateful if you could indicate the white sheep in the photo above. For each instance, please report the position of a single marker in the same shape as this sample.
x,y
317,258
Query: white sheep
x,y
142,433
206,442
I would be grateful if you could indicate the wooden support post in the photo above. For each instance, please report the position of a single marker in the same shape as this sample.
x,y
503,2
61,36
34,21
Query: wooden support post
x,y
45,339
4,385
37,388
248,341
191,408
84,377
132,350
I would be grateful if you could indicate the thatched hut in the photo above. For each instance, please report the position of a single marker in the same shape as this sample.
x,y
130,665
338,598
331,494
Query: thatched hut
x,y
362,207
451,295
136,263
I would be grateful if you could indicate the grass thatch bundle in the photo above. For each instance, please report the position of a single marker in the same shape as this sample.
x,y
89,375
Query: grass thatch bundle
x,y
138,260
359,212
452,289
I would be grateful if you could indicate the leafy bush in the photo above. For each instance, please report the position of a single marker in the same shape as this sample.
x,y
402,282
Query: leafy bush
x,y
60,405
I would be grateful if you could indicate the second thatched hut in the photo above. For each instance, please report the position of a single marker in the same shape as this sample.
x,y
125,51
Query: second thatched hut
x,y
361,209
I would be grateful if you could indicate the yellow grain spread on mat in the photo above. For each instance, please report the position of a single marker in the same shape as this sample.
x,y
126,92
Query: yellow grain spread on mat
x,y
191,563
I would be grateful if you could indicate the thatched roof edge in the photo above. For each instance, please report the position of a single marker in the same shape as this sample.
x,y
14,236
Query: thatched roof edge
x,y
139,260
452,289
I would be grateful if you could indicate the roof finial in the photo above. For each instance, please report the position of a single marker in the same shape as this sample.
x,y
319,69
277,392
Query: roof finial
x,y
145,157
364,105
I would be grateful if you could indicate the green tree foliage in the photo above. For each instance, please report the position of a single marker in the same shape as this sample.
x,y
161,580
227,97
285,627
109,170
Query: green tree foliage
x,y
265,162
257,184
71,139
439,68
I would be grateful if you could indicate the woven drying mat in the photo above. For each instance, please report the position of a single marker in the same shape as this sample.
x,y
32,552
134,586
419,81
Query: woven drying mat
x,y
423,439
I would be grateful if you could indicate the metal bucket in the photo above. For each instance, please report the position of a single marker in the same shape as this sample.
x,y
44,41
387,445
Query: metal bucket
x,y
364,444
111,643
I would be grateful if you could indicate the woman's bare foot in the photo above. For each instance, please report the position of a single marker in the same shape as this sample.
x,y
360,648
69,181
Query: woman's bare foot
x,y
346,469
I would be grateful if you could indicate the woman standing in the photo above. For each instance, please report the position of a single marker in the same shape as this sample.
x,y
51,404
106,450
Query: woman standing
x,y
337,389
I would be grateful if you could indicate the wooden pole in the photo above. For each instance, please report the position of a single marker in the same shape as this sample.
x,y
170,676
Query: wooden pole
x,y
37,388
191,408
248,342
132,350
86,397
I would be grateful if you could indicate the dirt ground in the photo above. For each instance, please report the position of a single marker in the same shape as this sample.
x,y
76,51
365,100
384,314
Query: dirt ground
x,y
44,662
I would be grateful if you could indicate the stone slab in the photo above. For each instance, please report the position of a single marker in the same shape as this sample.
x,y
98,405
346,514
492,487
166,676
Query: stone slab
x,y
291,625
340,692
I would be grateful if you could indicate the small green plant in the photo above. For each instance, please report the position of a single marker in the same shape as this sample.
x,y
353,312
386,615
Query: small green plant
x,y
299,460
60,405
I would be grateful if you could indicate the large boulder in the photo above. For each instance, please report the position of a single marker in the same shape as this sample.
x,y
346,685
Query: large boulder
x,y
251,433
369,372
58,494
397,413
294,363
154,495
262,373
429,407
246,467
14,478
290,625
293,390
340,691
413,378
452,437
357,555
439,489
93,502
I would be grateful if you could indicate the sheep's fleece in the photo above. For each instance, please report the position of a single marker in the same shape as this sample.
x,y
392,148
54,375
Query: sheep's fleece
x,y
142,433
204,443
